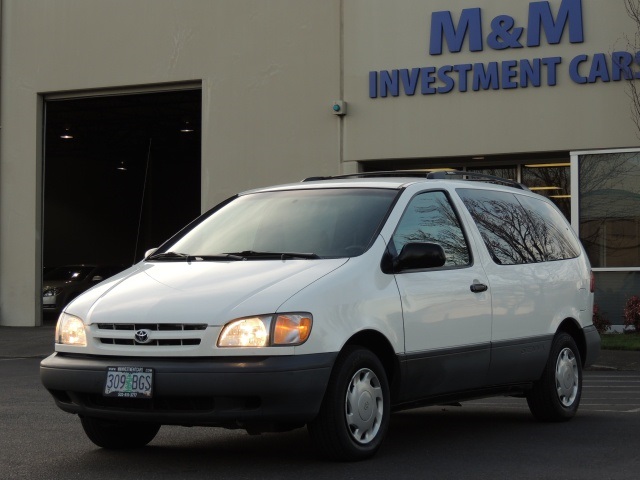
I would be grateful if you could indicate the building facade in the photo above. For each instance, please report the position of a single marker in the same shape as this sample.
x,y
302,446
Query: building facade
x,y
538,91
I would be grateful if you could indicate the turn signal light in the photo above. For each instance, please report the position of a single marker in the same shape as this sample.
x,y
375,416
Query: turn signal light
x,y
291,329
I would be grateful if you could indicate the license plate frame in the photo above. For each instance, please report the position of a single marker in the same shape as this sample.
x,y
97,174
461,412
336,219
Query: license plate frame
x,y
129,382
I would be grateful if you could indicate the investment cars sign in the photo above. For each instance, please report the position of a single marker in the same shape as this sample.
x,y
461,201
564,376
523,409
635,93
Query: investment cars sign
x,y
506,33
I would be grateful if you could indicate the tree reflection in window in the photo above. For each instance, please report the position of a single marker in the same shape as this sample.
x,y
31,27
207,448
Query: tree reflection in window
x,y
518,230
609,206
429,217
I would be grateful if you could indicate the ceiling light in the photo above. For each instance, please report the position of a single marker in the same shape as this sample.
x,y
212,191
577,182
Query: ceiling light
x,y
122,167
545,165
477,158
66,134
187,128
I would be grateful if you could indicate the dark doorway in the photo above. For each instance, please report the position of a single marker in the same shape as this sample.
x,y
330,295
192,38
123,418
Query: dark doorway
x,y
122,174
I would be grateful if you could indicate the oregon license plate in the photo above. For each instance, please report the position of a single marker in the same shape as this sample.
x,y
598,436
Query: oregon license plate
x,y
129,382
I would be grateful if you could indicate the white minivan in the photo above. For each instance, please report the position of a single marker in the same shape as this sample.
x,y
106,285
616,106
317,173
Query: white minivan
x,y
332,303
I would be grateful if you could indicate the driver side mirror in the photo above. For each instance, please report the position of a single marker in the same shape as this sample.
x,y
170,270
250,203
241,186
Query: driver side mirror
x,y
418,256
150,252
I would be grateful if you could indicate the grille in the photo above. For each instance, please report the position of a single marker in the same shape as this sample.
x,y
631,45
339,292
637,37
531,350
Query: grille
x,y
122,338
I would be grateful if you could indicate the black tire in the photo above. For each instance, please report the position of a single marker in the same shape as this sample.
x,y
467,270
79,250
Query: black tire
x,y
119,435
556,396
354,415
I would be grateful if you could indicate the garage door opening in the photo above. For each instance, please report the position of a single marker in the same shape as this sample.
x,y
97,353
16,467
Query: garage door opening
x,y
121,175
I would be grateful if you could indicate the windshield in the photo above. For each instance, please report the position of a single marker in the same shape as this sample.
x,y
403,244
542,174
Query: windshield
x,y
324,222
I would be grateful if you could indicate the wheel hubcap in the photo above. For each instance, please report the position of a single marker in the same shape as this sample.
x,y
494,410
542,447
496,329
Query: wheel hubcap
x,y
364,406
567,378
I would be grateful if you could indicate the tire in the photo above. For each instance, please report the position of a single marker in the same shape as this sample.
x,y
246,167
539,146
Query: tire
x,y
119,436
354,415
556,396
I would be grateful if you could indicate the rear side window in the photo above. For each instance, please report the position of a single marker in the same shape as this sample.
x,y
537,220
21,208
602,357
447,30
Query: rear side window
x,y
519,229
429,217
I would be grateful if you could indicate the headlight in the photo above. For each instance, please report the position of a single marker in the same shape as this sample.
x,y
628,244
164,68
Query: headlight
x,y
70,331
286,329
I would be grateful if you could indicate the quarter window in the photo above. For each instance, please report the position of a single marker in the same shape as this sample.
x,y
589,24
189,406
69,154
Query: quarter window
x,y
519,229
429,217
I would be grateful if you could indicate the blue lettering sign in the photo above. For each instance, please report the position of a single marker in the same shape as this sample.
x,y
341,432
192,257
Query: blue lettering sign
x,y
552,67
540,16
389,83
508,74
373,84
621,66
442,28
502,36
530,72
505,74
574,69
462,75
443,76
409,80
599,69
427,80
485,78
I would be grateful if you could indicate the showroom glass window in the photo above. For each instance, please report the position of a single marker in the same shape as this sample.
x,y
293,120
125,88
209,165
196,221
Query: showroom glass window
x,y
610,208
551,180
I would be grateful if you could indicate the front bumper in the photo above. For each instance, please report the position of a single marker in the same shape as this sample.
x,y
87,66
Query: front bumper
x,y
256,393
50,302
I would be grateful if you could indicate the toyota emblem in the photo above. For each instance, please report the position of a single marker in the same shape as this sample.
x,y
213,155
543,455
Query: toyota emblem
x,y
142,336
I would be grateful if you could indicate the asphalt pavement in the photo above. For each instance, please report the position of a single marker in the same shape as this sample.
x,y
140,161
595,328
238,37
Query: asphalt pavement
x,y
37,342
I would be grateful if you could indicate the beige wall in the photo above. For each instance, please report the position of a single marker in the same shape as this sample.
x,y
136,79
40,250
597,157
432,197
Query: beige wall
x,y
384,35
269,72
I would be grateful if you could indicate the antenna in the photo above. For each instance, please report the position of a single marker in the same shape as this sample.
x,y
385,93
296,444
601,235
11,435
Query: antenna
x,y
144,189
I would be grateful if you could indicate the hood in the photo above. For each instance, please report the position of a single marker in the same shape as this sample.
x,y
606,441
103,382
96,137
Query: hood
x,y
210,293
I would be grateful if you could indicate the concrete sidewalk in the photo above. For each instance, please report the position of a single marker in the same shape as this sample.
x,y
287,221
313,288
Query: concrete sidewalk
x,y
37,342
617,360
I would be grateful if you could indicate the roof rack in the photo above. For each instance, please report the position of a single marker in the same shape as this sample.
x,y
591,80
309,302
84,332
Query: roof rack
x,y
429,174
482,177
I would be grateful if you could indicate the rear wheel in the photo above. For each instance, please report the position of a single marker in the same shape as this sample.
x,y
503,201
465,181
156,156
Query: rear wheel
x,y
354,415
556,396
119,435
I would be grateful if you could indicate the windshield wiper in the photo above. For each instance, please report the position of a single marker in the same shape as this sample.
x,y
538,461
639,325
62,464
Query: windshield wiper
x,y
217,257
175,256
170,256
274,255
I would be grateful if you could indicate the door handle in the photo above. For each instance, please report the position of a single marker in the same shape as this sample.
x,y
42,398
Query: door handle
x,y
478,287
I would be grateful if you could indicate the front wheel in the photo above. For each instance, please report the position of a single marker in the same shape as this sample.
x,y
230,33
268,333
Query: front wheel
x,y
354,415
119,435
556,396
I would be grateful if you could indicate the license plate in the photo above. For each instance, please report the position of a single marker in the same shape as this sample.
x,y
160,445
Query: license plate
x,y
129,382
